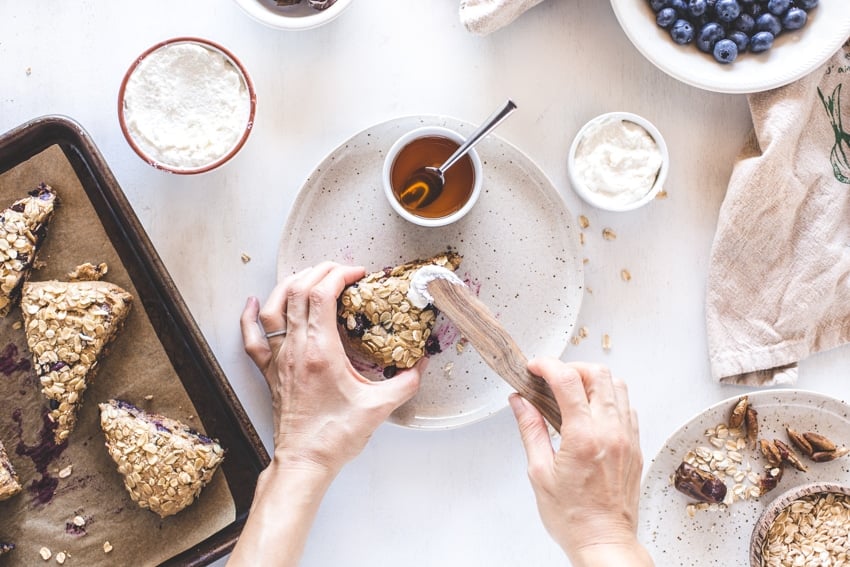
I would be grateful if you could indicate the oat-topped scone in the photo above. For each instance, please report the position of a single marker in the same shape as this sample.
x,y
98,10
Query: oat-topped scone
x,y
9,485
382,323
165,464
22,229
68,327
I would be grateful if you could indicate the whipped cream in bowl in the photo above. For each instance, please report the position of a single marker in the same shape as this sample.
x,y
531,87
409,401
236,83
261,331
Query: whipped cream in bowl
x,y
618,161
186,105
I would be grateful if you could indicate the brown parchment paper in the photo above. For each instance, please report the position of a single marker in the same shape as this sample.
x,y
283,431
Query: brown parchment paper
x,y
136,366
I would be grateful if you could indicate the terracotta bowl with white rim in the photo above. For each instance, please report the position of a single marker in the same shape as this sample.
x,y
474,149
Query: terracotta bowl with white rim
x,y
601,200
390,161
821,533
298,17
247,95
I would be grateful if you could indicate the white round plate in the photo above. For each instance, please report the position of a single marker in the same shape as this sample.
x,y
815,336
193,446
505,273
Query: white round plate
x,y
298,17
722,537
519,246
793,55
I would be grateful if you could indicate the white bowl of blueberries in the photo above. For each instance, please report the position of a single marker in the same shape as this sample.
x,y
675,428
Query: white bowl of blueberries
x,y
729,28
735,46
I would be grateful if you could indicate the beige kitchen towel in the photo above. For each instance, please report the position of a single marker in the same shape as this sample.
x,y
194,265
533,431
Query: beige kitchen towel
x,y
486,16
779,276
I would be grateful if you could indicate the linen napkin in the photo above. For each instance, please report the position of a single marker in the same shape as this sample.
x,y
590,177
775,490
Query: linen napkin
x,y
779,275
486,16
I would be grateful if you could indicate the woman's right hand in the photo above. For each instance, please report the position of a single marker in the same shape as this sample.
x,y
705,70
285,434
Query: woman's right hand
x,y
587,491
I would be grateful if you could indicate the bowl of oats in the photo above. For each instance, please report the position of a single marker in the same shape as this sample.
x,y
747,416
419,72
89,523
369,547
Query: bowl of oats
x,y
807,525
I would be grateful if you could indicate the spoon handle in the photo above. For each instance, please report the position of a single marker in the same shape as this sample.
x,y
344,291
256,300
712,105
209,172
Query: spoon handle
x,y
482,131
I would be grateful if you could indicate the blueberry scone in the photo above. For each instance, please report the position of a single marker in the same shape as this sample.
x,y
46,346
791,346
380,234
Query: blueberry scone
x,y
380,321
69,326
22,229
9,485
165,464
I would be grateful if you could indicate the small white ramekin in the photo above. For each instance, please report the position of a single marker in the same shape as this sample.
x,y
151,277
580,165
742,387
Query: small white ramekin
x,y
299,17
390,158
600,201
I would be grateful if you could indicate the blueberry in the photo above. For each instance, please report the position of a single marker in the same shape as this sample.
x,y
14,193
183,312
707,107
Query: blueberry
x,y
761,41
769,23
697,7
741,39
708,35
745,23
794,19
658,5
756,10
727,10
807,4
778,7
725,51
681,6
682,32
666,17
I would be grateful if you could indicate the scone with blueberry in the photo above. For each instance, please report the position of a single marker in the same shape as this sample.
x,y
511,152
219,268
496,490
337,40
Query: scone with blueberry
x,y
381,323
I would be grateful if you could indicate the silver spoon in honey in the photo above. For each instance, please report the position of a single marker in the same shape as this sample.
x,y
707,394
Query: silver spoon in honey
x,y
426,183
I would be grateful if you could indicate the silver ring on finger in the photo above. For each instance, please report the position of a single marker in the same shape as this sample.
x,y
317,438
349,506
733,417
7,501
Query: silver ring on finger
x,y
279,333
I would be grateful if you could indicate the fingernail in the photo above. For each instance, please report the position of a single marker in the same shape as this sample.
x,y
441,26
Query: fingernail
x,y
518,403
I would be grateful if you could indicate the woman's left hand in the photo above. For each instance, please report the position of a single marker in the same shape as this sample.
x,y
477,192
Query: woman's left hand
x,y
324,410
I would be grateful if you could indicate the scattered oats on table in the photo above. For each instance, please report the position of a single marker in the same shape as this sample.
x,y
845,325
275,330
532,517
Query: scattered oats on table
x,y
609,234
583,221
245,258
107,547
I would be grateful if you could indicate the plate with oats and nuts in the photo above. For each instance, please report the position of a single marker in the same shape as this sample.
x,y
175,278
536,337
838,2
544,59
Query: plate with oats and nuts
x,y
517,249
704,492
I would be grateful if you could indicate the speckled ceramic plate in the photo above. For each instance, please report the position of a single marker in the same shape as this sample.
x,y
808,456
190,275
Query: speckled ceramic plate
x,y
722,537
519,244
793,55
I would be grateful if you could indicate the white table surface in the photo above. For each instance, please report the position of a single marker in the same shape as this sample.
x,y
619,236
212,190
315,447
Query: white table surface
x,y
413,498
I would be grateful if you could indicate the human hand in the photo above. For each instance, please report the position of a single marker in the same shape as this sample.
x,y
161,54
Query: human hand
x,y
324,410
587,491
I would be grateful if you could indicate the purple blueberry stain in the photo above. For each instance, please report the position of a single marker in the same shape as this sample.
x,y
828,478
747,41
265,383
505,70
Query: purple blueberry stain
x,y
42,454
11,361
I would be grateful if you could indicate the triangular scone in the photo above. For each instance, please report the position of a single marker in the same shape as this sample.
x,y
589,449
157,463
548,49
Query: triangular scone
x,y
68,326
380,321
165,464
9,485
22,229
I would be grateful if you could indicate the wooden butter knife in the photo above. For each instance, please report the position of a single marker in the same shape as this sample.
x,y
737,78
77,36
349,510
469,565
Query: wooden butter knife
x,y
494,344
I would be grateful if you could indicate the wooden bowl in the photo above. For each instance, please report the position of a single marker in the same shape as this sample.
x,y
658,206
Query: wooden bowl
x,y
813,492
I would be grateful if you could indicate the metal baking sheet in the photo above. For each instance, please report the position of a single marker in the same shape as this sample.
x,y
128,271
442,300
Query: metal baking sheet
x,y
160,362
